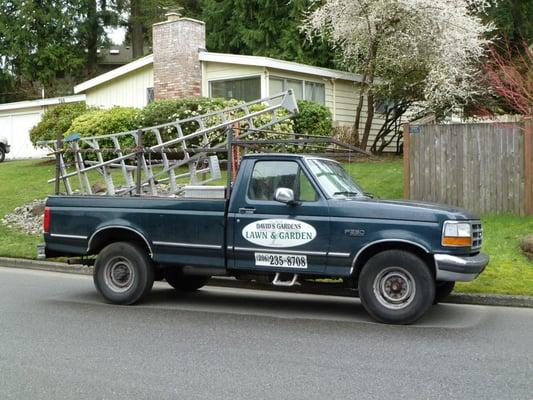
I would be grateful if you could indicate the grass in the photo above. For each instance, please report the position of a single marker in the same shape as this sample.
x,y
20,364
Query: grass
x,y
509,271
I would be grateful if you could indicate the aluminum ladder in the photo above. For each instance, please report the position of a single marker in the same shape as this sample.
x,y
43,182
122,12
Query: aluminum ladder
x,y
176,145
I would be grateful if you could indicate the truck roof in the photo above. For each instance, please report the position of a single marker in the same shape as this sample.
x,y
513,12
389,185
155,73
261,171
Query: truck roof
x,y
282,155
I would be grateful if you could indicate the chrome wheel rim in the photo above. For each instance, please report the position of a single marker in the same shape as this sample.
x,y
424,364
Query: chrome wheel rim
x,y
119,275
394,288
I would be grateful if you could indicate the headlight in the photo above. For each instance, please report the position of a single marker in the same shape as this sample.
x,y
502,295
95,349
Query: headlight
x,y
457,234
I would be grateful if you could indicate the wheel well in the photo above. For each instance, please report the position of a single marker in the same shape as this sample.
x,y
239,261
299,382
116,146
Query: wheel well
x,y
107,236
383,246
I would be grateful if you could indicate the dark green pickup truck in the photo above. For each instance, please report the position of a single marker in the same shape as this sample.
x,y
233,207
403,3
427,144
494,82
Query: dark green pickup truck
x,y
288,219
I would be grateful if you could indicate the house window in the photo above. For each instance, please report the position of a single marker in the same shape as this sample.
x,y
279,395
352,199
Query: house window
x,y
246,89
303,90
149,95
315,92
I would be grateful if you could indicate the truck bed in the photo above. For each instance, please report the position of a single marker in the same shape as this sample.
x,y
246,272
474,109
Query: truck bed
x,y
191,230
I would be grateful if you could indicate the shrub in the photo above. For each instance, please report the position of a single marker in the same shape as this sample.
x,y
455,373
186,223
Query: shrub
x,y
103,122
163,111
313,119
56,120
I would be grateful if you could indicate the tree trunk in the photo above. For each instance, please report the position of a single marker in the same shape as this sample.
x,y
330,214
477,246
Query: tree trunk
x,y
92,38
358,110
370,95
369,119
136,27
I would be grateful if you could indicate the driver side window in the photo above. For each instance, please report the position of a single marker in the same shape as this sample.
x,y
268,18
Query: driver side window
x,y
268,176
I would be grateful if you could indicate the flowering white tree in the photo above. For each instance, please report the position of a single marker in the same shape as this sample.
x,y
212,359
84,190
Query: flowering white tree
x,y
421,50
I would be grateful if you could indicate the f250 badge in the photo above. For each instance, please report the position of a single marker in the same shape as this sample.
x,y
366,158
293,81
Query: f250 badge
x,y
354,232
279,232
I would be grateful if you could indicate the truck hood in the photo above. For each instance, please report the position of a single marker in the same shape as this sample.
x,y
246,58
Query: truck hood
x,y
407,210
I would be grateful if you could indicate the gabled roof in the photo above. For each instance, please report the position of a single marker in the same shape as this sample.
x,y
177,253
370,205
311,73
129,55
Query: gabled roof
x,y
226,59
41,102
115,73
274,63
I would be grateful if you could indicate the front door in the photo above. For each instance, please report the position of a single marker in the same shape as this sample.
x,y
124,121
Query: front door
x,y
272,236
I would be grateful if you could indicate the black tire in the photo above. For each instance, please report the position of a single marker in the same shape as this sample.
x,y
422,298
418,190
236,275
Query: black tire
x,y
396,287
2,154
123,273
184,283
443,290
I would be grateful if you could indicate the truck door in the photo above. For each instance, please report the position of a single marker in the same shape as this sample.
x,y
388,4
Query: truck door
x,y
272,236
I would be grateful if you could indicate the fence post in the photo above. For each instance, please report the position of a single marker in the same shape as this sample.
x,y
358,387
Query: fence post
x,y
406,168
528,167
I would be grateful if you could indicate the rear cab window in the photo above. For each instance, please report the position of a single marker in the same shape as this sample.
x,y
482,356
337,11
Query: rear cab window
x,y
268,176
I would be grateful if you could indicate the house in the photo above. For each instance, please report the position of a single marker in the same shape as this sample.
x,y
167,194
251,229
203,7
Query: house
x,y
17,119
181,67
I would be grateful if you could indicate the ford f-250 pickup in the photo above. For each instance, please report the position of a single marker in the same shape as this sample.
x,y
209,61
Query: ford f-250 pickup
x,y
288,219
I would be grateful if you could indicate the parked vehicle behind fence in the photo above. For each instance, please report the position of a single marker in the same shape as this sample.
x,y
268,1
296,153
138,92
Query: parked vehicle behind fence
x,y
4,148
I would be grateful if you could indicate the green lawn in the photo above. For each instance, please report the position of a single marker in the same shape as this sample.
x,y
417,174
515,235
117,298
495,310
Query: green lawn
x,y
509,272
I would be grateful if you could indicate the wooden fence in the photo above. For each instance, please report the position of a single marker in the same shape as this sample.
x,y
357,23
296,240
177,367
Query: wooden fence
x,y
486,168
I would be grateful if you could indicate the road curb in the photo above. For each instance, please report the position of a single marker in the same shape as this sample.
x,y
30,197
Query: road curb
x,y
457,298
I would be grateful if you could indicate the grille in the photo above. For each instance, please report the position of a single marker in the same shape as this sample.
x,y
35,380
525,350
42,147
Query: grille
x,y
477,235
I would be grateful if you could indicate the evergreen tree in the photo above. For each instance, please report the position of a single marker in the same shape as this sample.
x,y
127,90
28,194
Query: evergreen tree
x,y
141,15
38,42
513,20
264,28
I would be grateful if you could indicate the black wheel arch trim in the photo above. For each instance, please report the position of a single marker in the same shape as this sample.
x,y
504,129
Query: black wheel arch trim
x,y
107,227
379,241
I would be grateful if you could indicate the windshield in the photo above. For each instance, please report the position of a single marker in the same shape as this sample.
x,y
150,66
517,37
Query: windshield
x,y
333,178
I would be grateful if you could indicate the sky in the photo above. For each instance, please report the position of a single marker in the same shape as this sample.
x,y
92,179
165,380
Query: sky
x,y
116,35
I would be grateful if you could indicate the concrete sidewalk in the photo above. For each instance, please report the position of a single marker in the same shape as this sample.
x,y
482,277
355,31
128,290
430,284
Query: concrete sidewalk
x,y
333,290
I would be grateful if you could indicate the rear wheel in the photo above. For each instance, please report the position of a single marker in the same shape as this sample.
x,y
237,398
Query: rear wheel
x,y
123,273
396,287
443,290
184,283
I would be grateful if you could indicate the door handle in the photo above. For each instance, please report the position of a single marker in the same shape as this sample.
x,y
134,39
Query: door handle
x,y
246,210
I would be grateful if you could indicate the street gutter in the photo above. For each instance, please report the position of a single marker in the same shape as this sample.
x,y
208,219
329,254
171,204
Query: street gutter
x,y
333,290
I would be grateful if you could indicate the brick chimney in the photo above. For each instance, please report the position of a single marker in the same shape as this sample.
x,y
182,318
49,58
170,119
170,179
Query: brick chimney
x,y
176,44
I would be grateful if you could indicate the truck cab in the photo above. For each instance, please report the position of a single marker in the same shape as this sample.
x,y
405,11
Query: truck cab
x,y
287,219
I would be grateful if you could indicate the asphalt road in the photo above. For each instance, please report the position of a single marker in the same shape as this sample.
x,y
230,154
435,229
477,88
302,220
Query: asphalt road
x,y
59,340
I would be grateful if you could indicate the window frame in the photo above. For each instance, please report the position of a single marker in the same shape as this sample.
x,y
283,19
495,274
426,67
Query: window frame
x,y
301,169
150,95
303,82
235,78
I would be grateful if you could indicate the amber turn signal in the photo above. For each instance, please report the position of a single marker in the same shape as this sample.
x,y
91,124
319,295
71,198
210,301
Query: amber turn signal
x,y
456,241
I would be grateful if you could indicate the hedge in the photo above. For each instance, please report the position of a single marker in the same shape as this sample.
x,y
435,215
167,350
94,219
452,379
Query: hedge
x,y
313,119
103,122
56,120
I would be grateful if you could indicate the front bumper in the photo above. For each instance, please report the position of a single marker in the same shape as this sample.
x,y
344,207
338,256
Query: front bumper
x,y
7,148
459,268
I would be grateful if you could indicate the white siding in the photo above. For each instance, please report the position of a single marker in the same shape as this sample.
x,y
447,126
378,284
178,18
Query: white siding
x,y
128,90
346,96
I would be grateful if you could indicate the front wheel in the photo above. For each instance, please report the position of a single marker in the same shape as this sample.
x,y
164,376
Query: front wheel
x,y
2,154
396,287
123,273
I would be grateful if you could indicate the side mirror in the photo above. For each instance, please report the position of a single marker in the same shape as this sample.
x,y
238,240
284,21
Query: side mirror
x,y
284,195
